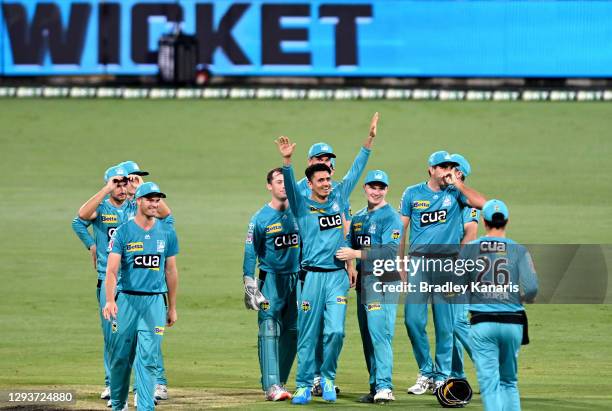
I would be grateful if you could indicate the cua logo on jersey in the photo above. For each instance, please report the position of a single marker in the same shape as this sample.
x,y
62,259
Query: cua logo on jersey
x,y
149,261
159,330
420,204
305,306
364,240
492,247
374,307
110,218
327,222
133,247
274,228
283,241
395,234
433,217
341,300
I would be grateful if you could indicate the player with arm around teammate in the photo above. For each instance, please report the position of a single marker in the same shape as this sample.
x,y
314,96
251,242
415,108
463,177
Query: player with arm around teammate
x,y
273,241
374,235
497,316
145,251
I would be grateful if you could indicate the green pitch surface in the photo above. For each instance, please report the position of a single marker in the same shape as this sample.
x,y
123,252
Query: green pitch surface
x,y
549,162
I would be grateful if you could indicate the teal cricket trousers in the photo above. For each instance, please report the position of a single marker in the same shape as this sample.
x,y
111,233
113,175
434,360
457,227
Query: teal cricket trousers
x,y
106,328
322,300
137,332
495,349
377,326
277,322
461,339
415,317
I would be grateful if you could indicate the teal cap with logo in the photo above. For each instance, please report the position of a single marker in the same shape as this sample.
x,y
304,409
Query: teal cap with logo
x,y
115,171
492,207
321,149
463,164
149,189
377,176
132,168
440,157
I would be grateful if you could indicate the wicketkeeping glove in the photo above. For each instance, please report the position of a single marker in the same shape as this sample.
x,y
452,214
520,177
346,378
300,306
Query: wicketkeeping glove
x,y
252,296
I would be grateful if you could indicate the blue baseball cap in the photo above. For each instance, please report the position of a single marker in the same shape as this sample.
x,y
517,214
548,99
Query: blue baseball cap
x,y
440,157
494,206
464,165
149,188
132,168
115,171
377,176
321,149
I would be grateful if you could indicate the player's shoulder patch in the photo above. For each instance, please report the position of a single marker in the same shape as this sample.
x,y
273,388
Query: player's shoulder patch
x,y
396,234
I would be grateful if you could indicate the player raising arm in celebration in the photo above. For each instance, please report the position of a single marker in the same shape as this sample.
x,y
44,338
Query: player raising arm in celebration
x,y
273,240
145,250
322,294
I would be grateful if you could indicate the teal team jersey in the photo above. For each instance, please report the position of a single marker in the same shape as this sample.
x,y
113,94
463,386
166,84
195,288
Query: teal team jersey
x,y
320,224
381,227
143,256
507,266
351,178
436,217
106,222
273,239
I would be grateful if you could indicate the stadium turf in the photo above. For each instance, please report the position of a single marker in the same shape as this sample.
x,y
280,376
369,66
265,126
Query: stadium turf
x,y
548,161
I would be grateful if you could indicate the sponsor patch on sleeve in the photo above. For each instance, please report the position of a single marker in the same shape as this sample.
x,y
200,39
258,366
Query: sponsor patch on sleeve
x,y
395,234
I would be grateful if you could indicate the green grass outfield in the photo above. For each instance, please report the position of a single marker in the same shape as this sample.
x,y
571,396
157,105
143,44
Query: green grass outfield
x,y
549,161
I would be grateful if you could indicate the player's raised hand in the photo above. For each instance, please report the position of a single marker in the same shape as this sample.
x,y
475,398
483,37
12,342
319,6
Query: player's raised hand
x,y
171,317
112,184
285,146
110,310
135,180
373,130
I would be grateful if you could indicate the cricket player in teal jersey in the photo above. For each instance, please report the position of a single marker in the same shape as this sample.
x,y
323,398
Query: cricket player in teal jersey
x,y
497,316
273,241
135,174
322,295
145,251
470,232
433,209
324,153
106,210
375,232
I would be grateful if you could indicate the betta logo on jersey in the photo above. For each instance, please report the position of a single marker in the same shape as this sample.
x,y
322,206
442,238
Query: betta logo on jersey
x,y
341,300
305,306
133,247
327,222
492,247
110,218
149,261
433,217
283,241
274,228
159,330
420,204
374,307
364,240
396,234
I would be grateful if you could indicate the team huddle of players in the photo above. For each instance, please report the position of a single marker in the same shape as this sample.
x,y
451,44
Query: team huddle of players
x,y
134,248
306,243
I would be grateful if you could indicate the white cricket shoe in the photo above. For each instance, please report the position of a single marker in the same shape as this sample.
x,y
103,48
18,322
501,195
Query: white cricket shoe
x,y
277,393
105,394
109,404
161,392
436,386
384,395
421,385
